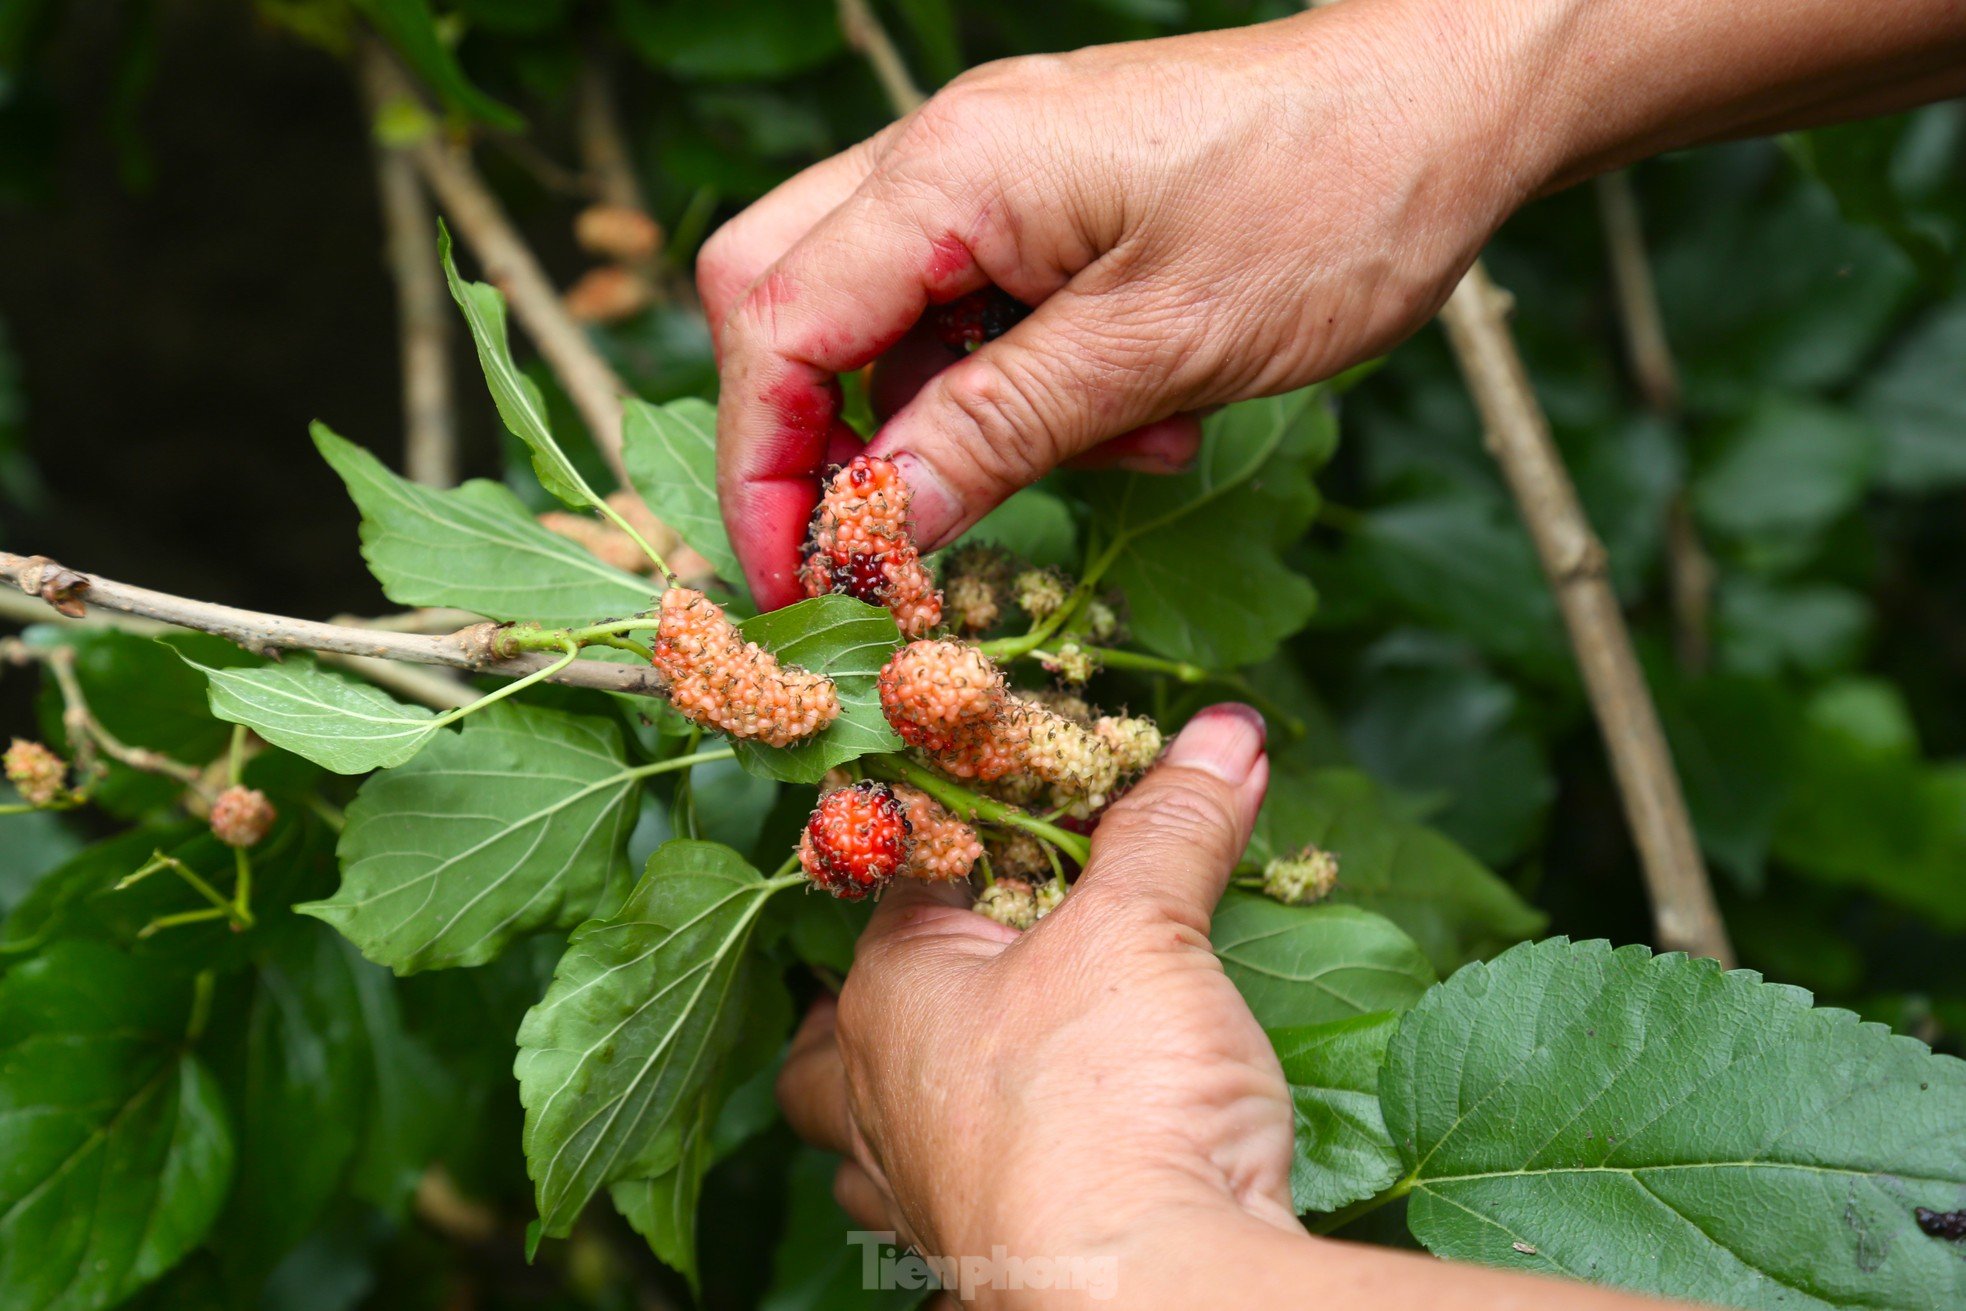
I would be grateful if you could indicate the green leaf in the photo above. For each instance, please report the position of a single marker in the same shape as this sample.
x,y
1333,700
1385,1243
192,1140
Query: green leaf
x,y
1430,721
1310,964
1789,467
339,723
738,39
1433,890
671,455
292,1062
1197,555
411,30
1462,562
1732,743
412,1095
1656,1124
643,1008
514,824
118,1154
1914,399
814,1267
848,641
1035,525
474,547
518,399
1853,160
1343,1152
1764,629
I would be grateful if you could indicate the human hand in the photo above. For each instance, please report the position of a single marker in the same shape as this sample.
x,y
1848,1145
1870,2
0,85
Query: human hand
x,y
1057,1090
1197,220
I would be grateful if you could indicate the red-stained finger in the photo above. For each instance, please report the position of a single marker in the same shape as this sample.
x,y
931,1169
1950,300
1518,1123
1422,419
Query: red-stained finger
x,y
1164,446
738,253
840,297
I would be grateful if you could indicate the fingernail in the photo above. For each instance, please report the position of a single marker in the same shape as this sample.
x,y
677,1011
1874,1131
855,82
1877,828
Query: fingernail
x,y
1226,740
934,509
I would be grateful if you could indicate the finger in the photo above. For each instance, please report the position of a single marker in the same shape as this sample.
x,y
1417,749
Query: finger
x,y
1165,446
738,253
812,1083
1083,367
863,1200
840,297
1173,840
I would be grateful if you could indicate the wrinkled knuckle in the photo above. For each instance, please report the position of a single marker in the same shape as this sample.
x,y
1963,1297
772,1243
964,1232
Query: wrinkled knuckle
x,y
1009,438
1190,819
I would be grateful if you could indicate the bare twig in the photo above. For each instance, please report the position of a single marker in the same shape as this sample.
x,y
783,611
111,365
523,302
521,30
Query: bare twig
x,y
86,734
863,31
473,648
1683,908
604,149
1689,569
509,263
423,310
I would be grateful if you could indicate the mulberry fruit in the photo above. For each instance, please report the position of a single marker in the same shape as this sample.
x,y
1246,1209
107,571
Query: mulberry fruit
x,y
719,680
856,841
1135,742
945,849
1298,880
976,587
968,321
618,232
38,774
242,817
860,545
1040,592
1016,854
1071,664
601,540
935,693
1011,902
608,294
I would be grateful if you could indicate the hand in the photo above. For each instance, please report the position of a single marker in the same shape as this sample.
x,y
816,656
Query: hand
x,y
1057,1090
1198,220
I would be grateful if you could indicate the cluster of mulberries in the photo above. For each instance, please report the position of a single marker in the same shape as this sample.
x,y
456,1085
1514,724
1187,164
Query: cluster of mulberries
x,y
622,288
1018,903
946,698
859,544
1302,877
976,587
38,774
862,836
719,680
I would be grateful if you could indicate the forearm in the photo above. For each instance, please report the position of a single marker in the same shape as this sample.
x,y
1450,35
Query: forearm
x,y
1600,83
1227,1260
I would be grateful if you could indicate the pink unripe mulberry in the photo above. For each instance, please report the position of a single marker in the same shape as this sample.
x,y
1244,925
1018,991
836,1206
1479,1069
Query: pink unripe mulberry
x,y
936,693
945,849
719,680
618,232
38,774
242,816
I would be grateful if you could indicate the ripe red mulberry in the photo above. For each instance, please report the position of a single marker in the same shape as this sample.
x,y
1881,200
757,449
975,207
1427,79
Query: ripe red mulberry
x,y
719,680
857,840
968,321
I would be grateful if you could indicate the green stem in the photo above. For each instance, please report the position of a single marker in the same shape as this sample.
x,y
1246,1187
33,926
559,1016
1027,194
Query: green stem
x,y
609,512
570,652
183,917
596,632
674,763
967,805
202,988
1345,1215
235,769
1184,672
159,861
327,812
242,888
625,644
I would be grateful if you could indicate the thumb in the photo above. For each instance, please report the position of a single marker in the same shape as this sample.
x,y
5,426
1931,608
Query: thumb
x,y
1082,368
1173,840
